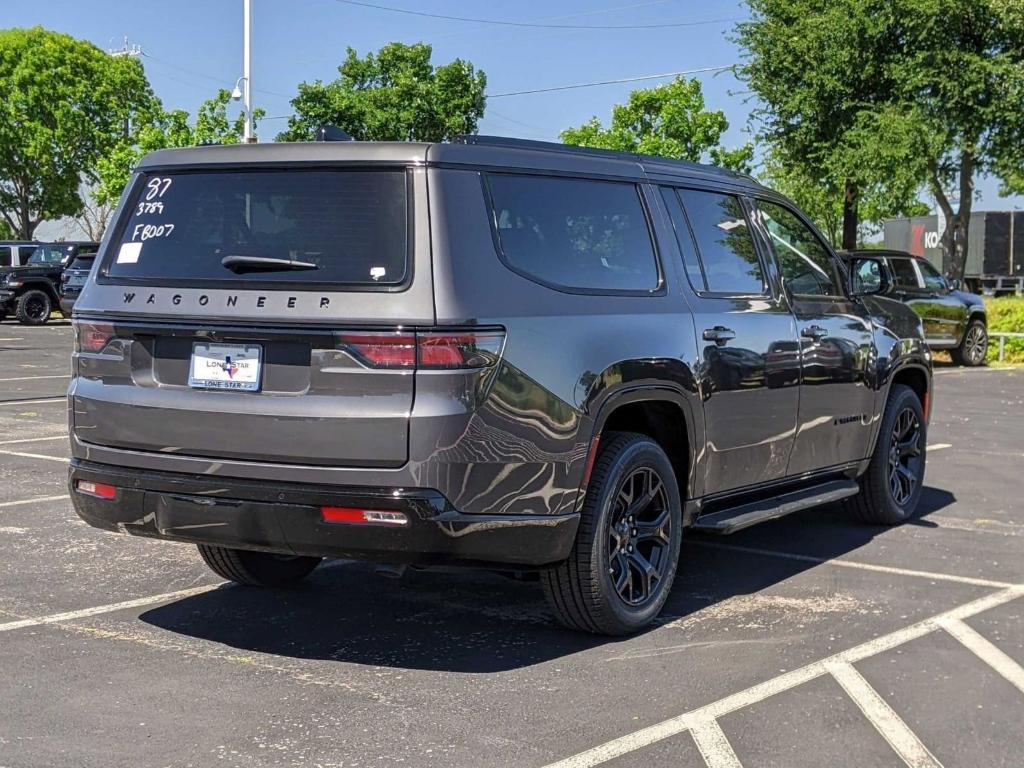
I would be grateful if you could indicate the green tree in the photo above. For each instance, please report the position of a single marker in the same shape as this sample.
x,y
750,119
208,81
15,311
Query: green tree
x,y
64,103
395,95
882,98
669,120
167,130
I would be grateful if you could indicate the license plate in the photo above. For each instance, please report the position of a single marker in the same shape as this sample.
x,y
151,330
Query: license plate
x,y
225,366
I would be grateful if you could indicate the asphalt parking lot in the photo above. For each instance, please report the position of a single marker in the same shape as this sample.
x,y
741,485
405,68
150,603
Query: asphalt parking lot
x,y
812,640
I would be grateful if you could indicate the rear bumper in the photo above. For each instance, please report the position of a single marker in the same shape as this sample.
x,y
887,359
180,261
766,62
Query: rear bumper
x,y
286,518
66,305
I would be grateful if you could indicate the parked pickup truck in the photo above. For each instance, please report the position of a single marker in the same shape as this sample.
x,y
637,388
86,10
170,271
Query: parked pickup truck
x,y
32,291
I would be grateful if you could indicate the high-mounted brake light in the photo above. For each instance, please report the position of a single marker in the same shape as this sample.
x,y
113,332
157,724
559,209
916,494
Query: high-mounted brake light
x,y
426,350
99,490
92,337
363,516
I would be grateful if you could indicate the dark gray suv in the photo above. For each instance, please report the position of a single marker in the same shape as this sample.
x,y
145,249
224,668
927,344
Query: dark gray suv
x,y
492,353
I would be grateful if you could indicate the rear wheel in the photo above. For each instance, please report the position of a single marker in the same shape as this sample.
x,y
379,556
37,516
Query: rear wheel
x,y
257,569
618,576
973,347
891,487
33,307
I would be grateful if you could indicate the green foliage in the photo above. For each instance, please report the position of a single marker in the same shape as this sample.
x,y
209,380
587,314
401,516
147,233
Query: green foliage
x,y
64,103
669,120
1006,314
167,130
395,95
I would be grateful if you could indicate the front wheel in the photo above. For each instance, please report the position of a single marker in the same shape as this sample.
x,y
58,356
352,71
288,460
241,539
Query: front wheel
x,y
891,487
973,347
621,568
256,569
33,307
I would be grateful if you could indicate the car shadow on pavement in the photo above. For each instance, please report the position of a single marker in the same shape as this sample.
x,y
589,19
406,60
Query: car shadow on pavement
x,y
480,622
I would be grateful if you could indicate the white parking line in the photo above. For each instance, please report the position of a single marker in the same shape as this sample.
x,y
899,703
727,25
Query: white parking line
x,y
33,378
839,562
885,720
35,456
713,745
33,439
57,618
647,736
35,402
37,500
985,651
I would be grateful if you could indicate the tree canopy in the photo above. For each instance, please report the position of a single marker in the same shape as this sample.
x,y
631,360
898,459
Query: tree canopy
x,y
64,104
669,120
396,94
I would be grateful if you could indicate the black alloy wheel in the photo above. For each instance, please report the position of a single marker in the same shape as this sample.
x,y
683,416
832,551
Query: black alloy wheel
x,y
905,457
640,536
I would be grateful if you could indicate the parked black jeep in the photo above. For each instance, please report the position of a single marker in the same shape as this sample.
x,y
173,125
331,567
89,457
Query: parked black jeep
x,y
30,292
953,319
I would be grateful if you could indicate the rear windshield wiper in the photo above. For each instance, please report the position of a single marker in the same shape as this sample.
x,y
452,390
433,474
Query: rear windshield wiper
x,y
238,263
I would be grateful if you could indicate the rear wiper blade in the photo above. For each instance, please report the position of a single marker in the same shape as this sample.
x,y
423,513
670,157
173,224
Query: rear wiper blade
x,y
238,263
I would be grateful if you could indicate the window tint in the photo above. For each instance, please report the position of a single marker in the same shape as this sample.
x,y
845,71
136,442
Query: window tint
x,y
83,262
685,240
903,274
574,233
724,242
349,225
6,256
806,265
933,281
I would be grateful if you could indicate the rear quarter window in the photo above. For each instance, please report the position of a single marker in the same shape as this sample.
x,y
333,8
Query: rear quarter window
x,y
345,227
575,234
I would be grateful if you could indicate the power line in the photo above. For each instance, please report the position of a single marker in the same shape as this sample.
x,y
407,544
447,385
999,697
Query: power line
x,y
533,25
610,82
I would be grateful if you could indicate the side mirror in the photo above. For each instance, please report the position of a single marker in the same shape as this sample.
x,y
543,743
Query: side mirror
x,y
954,284
868,277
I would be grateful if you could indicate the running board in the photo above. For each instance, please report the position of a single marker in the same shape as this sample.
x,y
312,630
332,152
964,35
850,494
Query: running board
x,y
737,518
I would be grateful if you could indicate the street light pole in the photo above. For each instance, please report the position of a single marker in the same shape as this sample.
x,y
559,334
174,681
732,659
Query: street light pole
x,y
247,135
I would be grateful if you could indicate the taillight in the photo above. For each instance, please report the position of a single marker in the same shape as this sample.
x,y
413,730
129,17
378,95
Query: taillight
x,y
92,337
99,490
429,350
381,350
363,516
479,349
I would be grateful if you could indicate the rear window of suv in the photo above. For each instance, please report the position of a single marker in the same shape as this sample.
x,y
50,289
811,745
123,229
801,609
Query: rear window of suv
x,y
307,226
576,234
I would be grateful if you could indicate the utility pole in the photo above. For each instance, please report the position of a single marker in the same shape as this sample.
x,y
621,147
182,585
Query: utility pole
x,y
248,136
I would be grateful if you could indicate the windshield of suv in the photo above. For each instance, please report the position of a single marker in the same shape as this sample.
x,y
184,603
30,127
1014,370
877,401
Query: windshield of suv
x,y
47,254
283,226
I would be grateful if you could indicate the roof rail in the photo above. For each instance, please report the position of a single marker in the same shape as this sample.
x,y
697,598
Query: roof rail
x,y
554,146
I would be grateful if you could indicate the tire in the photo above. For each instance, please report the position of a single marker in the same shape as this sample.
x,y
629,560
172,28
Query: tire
x,y
256,569
582,589
877,502
33,307
973,346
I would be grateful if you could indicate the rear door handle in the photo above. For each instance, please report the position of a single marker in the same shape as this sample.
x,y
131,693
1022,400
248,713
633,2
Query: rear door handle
x,y
815,332
719,334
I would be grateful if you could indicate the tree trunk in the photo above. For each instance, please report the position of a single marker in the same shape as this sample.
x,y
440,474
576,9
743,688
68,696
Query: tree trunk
x,y
850,219
958,223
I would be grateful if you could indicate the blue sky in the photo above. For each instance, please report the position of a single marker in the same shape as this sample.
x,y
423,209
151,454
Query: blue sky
x,y
194,47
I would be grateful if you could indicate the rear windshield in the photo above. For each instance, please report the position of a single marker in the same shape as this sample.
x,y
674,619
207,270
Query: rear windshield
x,y
83,262
266,226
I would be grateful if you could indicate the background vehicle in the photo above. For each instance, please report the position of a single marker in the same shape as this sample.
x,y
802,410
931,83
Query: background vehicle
x,y
14,253
556,360
953,319
31,292
72,280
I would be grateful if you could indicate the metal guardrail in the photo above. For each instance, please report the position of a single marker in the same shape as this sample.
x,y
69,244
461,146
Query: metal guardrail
x,y
1003,336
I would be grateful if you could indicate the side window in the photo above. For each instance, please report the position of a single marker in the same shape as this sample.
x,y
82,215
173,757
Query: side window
x,y
574,233
684,238
806,265
6,256
903,274
724,241
933,281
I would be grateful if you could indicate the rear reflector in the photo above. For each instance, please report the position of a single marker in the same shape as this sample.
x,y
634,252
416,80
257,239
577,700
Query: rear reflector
x,y
92,337
425,350
363,516
99,490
